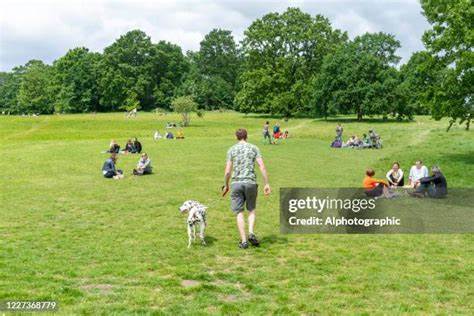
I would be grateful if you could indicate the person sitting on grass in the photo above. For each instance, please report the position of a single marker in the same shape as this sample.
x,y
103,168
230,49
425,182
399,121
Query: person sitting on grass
x,y
157,135
114,147
108,169
180,134
137,146
169,135
337,143
143,166
285,134
365,141
375,141
129,149
417,172
395,176
375,187
435,186
351,142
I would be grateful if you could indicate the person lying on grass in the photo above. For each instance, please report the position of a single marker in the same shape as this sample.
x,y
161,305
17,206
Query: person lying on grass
x,y
143,166
375,187
109,170
240,166
395,176
435,186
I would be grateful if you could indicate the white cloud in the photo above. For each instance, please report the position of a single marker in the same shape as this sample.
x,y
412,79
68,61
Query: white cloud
x,y
47,29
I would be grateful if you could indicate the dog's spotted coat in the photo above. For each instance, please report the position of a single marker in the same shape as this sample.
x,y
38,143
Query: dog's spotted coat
x,y
196,216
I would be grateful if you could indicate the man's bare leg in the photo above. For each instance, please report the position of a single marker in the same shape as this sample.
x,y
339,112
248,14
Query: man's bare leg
x,y
251,221
241,226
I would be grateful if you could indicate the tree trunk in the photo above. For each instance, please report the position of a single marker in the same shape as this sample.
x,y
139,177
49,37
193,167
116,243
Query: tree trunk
x,y
450,124
468,123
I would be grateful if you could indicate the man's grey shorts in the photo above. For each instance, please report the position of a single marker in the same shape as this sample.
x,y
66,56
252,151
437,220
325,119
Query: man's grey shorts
x,y
243,193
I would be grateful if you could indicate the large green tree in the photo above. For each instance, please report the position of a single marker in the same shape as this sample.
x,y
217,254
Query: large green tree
x,y
212,79
9,87
282,52
418,79
134,67
450,41
76,76
360,78
35,94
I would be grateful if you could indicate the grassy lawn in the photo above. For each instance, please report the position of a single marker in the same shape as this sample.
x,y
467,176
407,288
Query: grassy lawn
x,y
100,246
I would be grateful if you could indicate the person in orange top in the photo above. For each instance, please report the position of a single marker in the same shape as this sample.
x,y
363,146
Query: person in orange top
x,y
374,187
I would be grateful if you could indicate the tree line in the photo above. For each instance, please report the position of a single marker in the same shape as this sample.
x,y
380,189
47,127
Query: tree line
x,y
288,64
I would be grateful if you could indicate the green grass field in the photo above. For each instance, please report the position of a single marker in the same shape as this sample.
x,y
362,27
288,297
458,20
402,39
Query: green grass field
x,y
100,246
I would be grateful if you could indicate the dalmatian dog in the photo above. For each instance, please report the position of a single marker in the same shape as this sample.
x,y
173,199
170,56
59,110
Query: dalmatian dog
x,y
196,216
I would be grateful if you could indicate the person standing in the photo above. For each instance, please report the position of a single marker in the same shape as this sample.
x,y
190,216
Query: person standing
x,y
339,130
240,167
266,132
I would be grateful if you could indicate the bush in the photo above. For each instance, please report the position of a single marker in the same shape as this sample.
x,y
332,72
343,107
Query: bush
x,y
184,105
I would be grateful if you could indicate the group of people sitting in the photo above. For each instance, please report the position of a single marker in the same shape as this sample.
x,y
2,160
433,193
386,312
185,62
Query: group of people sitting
x,y
370,140
434,186
110,171
168,135
131,147
276,135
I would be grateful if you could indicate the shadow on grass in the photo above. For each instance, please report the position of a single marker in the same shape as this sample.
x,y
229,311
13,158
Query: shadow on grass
x,y
466,158
365,120
329,119
274,239
210,240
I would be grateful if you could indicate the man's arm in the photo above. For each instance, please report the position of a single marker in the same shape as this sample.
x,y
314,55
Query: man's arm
x,y
266,190
227,174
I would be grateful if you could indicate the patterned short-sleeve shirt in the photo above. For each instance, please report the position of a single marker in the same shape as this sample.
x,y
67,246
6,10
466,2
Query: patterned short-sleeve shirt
x,y
243,156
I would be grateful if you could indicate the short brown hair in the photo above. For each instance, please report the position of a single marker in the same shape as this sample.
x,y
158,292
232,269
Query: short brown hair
x,y
241,133
370,172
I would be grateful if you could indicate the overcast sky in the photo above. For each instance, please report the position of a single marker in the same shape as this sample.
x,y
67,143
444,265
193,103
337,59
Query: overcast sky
x,y
46,29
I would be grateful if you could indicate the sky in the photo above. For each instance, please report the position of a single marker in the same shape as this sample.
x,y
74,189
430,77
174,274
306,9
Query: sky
x,y
47,29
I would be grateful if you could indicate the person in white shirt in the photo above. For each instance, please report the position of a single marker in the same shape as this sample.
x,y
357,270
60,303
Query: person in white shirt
x,y
417,172
157,135
143,166
395,176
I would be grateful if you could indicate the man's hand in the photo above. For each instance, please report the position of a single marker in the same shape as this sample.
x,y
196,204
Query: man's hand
x,y
267,190
224,189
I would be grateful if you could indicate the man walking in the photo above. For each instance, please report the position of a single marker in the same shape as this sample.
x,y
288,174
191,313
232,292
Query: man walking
x,y
240,166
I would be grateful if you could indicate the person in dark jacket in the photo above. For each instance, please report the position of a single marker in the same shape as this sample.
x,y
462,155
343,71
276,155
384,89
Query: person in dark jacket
x,y
108,169
435,186
129,148
114,147
137,146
